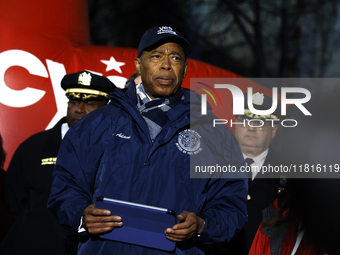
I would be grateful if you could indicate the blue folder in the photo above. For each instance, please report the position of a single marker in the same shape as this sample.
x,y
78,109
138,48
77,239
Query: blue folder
x,y
142,224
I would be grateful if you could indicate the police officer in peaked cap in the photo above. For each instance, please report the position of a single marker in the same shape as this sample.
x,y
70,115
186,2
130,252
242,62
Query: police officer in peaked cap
x,y
86,92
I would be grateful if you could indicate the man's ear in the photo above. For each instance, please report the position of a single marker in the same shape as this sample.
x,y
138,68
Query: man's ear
x,y
137,64
185,69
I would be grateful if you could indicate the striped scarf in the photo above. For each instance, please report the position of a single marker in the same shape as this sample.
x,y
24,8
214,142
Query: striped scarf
x,y
154,111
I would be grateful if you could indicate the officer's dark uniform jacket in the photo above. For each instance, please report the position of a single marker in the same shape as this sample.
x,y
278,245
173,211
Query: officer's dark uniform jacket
x,y
27,187
109,153
262,191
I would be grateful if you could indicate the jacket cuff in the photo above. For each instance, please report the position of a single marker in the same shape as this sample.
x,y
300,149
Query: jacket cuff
x,y
82,225
204,236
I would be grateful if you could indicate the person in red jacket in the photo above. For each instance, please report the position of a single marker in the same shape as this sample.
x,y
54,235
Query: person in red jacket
x,y
295,225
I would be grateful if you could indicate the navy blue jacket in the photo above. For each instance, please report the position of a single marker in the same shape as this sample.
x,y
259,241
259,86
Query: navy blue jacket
x,y
109,153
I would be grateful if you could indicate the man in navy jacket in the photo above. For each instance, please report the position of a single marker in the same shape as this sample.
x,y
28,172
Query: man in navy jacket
x,y
141,148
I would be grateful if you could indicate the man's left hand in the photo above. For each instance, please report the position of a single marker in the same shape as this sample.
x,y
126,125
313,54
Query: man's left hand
x,y
191,225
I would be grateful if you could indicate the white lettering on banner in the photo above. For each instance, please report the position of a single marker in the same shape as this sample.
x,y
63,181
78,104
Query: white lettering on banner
x,y
57,72
119,81
33,65
30,96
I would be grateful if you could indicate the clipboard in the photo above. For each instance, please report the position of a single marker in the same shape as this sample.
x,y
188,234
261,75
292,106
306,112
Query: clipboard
x,y
142,224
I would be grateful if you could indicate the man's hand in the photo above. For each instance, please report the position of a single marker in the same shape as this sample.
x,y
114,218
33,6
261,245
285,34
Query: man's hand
x,y
100,220
191,225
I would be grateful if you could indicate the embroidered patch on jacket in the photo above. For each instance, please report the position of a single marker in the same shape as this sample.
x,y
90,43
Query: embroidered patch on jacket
x,y
48,161
189,142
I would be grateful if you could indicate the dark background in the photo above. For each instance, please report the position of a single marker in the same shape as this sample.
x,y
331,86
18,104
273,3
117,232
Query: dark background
x,y
253,38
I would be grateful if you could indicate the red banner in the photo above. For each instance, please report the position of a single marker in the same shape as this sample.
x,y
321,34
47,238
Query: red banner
x,y
41,42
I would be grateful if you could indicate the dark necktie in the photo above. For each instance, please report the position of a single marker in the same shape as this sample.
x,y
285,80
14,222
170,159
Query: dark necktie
x,y
249,161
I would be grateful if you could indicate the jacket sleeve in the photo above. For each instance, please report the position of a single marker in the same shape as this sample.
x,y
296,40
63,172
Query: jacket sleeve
x,y
74,176
225,210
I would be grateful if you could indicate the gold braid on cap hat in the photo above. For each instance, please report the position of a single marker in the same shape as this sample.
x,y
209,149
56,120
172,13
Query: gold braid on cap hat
x,y
85,93
249,114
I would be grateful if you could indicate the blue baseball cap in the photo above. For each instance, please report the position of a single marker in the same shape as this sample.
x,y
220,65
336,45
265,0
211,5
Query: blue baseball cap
x,y
160,35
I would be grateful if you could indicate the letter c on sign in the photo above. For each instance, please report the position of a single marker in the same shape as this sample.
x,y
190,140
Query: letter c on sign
x,y
33,65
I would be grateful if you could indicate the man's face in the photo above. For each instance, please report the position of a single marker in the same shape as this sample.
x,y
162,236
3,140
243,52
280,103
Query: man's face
x,y
254,140
162,70
78,109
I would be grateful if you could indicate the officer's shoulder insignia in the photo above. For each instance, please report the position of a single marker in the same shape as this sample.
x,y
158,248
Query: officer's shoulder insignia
x,y
48,161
